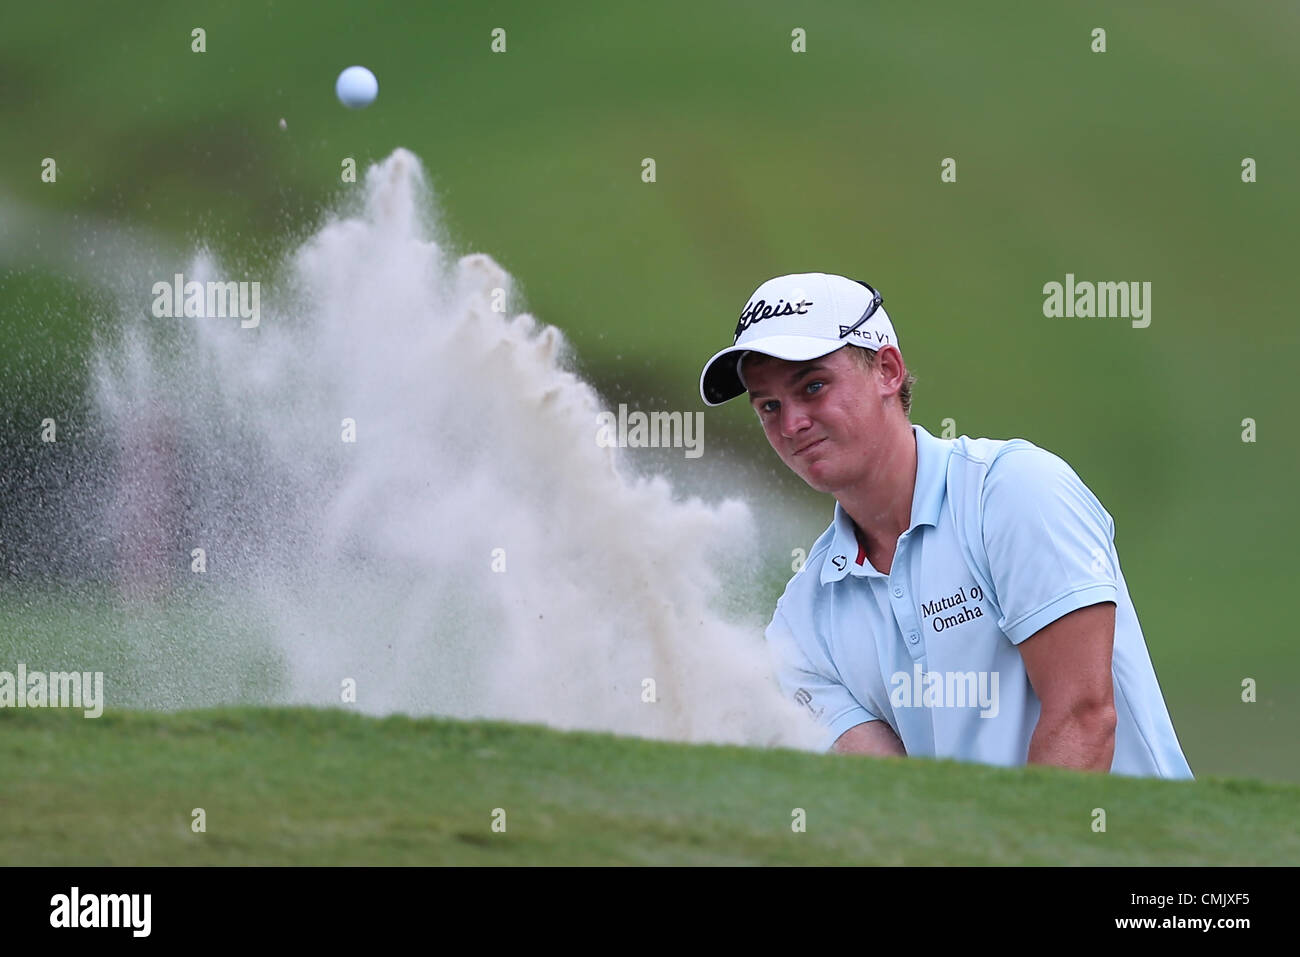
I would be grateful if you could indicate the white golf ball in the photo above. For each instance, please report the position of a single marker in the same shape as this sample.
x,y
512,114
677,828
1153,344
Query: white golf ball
x,y
356,87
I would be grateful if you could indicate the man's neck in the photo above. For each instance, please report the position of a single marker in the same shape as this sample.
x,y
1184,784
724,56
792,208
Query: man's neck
x,y
881,504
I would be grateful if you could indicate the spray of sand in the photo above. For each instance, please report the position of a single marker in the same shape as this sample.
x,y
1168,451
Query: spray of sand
x,y
473,553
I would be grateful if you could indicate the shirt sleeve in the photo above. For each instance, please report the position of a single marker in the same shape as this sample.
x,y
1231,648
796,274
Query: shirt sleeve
x,y
1050,544
805,675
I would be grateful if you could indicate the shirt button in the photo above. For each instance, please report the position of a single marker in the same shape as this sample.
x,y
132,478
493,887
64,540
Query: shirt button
x,y
913,637
898,591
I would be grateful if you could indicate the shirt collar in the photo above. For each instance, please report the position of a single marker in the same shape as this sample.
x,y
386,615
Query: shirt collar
x,y
927,502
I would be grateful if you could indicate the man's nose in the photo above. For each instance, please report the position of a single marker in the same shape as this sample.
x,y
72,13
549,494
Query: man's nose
x,y
793,419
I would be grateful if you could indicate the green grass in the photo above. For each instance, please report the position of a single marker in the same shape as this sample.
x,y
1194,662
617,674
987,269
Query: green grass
x,y
199,650
312,787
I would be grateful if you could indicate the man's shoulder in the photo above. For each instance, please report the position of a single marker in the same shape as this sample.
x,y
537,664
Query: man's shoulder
x,y
982,453
982,464
1012,479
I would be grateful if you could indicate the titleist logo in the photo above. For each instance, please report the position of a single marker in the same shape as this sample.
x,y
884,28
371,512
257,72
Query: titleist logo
x,y
756,312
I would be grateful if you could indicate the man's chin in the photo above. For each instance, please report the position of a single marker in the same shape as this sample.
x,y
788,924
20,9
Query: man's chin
x,y
817,479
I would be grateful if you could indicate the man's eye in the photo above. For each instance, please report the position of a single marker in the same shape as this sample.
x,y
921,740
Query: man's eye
x,y
767,406
817,383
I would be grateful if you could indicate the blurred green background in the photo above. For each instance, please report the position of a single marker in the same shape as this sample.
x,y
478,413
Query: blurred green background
x,y
1123,165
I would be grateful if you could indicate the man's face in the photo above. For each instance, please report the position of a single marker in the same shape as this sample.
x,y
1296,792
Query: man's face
x,y
824,417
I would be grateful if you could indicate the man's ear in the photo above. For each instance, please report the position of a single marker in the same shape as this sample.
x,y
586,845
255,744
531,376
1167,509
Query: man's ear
x,y
889,363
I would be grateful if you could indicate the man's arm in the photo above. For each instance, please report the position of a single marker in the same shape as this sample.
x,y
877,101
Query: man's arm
x,y
871,737
1069,666
809,678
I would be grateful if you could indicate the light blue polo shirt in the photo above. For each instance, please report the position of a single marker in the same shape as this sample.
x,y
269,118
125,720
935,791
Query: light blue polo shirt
x,y
1005,539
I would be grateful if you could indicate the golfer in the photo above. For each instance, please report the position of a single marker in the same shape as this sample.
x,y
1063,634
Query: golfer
x,y
966,601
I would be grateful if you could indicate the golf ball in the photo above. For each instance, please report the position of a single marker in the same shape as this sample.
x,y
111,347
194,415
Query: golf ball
x,y
356,87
